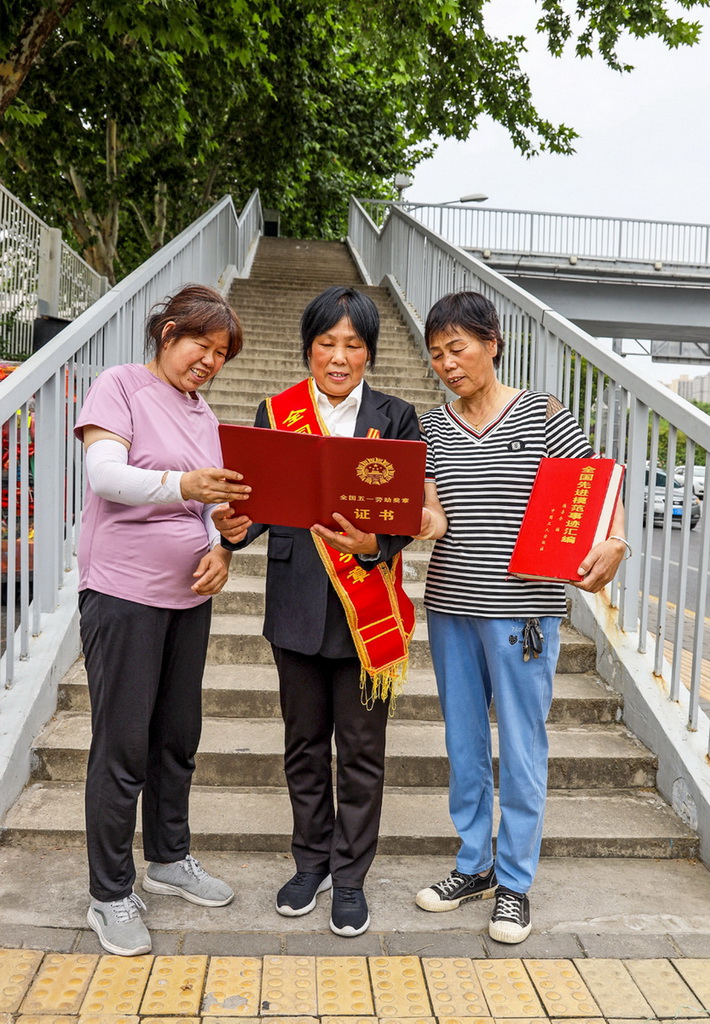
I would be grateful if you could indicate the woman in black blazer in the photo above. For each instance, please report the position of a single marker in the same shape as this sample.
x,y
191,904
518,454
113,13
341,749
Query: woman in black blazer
x,y
315,649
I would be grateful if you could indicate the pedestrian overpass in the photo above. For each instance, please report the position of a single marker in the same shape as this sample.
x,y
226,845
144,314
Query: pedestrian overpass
x,y
640,648
613,277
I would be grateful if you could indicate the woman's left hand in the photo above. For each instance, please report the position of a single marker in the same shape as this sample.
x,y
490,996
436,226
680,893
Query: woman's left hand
x,y
600,565
212,572
351,542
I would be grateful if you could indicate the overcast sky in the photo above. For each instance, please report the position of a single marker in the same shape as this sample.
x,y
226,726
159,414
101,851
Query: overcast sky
x,y
644,146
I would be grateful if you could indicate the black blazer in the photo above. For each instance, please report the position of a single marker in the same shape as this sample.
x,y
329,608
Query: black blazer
x,y
303,611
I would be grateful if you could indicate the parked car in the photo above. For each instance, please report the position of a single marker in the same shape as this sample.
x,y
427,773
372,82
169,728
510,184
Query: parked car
x,y
698,479
659,501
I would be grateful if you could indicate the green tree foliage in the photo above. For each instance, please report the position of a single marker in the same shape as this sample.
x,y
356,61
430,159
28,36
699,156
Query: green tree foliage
x,y
125,120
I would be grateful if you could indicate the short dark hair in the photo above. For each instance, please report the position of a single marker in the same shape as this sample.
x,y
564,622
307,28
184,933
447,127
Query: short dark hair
x,y
469,311
195,310
330,307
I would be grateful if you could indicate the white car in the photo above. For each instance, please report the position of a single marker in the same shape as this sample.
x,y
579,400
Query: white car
x,y
677,510
698,479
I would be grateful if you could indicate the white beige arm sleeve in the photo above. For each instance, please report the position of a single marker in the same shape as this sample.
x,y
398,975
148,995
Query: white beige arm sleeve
x,y
213,534
112,478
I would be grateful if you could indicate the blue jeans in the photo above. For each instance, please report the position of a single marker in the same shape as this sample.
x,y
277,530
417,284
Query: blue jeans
x,y
476,659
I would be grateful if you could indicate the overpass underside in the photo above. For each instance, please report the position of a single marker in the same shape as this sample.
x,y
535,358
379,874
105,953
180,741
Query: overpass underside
x,y
620,298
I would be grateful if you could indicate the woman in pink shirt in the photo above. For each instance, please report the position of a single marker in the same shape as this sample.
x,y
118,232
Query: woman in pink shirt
x,y
150,561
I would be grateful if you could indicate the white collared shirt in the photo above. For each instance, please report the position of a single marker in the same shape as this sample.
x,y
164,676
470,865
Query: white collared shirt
x,y
340,419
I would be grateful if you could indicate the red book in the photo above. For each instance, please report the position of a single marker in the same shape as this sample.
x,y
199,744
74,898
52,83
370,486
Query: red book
x,y
571,508
301,479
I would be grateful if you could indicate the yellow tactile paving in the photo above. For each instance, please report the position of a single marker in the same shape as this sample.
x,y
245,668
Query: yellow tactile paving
x,y
696,974
466,1020
175,986
408,1020
454,988
664,988
348,1020
106,1018
562,989
507,988
33,1018
170,1020
399,987
632,1020
343,984
288,986
17,967
613,988
232,987
117,985
60,984
525,1020
272,1020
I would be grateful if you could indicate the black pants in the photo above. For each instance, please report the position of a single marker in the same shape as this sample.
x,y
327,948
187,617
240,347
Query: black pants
x,y
321,696
144,667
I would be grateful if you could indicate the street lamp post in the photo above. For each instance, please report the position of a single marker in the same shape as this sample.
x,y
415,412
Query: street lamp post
x,y
474,197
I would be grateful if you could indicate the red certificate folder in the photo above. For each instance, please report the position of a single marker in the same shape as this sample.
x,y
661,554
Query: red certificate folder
x,y
571,508
301,479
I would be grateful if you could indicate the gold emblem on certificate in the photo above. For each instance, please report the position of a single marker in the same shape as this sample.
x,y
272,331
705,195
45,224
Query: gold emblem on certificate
x,y
375,471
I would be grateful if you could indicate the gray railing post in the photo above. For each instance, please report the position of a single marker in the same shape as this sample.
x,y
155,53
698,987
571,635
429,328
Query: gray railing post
x,y
48,475
50,265
634,486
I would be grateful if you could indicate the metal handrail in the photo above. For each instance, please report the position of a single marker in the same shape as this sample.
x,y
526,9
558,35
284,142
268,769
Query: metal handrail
x,y
34,260
620,410
39,403
535,232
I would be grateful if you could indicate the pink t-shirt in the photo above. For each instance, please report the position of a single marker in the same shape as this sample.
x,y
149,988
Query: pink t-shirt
x,y
147,553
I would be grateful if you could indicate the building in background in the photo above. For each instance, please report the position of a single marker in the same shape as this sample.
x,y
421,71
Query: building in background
x,y
693,389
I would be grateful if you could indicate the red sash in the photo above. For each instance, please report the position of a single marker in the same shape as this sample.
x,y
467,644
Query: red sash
x,y
379,613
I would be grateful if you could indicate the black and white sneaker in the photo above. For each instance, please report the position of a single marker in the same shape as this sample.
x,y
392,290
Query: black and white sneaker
x,y
298,896
510,920
457,889
349,915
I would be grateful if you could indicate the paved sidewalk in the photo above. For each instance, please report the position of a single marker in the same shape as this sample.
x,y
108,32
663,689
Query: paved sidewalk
x,y
57,988
597,907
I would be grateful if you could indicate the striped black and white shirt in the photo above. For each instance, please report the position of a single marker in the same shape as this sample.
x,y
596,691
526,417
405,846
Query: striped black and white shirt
x,y
484,481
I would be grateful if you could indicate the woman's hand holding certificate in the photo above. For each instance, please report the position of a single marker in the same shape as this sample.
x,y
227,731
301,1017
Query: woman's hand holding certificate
x,y
232,527
351,542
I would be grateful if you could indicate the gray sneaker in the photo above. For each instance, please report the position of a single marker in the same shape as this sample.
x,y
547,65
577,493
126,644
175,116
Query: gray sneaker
x,y
187,878
119,926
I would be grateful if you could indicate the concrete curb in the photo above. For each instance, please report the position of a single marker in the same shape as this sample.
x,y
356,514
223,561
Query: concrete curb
x,y
683,777
28,704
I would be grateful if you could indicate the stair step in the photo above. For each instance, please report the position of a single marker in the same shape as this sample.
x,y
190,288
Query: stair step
x,y
237,638
251,691
244,595
251,562
249,752
577,824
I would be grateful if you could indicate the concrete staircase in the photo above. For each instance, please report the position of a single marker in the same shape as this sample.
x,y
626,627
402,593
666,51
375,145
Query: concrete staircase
x,y
602,798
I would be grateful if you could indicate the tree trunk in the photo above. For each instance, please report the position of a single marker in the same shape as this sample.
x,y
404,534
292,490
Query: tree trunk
x,y
34,33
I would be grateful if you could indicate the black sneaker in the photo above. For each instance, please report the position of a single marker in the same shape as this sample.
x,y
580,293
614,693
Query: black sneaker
x,y
349,915
298,896
457,889
510,920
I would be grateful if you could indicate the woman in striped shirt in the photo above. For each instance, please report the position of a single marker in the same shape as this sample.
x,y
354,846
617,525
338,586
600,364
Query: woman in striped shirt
x,y
484,449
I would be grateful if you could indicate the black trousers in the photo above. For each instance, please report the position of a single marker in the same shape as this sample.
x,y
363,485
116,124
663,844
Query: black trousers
x,y
320,697
144,667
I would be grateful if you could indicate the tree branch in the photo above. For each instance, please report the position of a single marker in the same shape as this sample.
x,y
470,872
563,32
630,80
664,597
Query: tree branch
x,y
34,33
